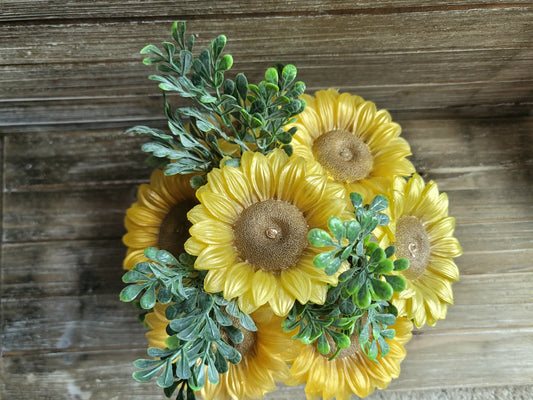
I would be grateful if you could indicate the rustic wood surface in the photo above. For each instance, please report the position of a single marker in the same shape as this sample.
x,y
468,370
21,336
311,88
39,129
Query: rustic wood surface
x,y
455,74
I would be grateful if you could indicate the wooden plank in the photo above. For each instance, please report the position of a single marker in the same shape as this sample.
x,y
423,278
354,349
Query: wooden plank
x,y
93,321
362,70
433,361
474,150
81,267
70,322
395,34
16,10
99,156
66,268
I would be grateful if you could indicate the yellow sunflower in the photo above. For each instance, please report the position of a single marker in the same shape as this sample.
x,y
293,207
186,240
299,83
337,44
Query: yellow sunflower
x,y
422,232
352,372
157,322
250,231
159,217
265,356
350,140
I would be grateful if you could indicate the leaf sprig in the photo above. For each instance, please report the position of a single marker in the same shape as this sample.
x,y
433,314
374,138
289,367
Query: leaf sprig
x,y
202,325
360,302
247,116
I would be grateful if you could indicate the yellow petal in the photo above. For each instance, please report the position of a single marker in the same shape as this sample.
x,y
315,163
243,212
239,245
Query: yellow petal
x,y
258,171
296,284
444,267
198,213
325,100
212,231
292,174
238,280
133,258
263,287
281,302
215,256
144,216
193,246
364,119
214,280
246,303
140,239
220,207
413,190
441,228
238,186
446,247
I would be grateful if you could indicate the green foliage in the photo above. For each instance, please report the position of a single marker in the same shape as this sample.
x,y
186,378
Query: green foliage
x,y
359,304
246,115
197,350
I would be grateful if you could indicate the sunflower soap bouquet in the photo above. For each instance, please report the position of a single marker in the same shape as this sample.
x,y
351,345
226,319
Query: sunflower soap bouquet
x,y
283,237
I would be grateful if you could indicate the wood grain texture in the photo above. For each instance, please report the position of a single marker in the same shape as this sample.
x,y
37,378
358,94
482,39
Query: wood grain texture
x,y
431,59
455,74
16,10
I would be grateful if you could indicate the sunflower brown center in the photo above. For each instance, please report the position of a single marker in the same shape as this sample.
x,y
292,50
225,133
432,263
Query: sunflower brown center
x,y
412,242
346,157
271,235
248,344
174,229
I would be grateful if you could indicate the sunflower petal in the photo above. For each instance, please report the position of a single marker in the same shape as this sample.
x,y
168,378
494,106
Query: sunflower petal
x,y
264,286
238,280
215,256
297,285
220,207
212,232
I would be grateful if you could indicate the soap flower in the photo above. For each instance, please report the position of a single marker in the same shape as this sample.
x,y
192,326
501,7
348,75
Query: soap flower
x,y
250,231
347,138
422,232
351,372
159,217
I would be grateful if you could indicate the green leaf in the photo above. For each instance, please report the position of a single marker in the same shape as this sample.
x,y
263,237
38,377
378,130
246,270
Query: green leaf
x,y
388,333
401,264
379,203
158,353
212,373
164,296
271,75
226,63
397,282
357,199
145,375
133,277
323,345
148,299
211,330
234,334
147,364
385,266
166,379
341,340
383,219
353,229
129,293
389,251
151,49
363,297
336,227
218,45
385,319
247,322
166,258
319,238
382,289
324,259
333,266
377,256
288,74
242,86
183,370
220,363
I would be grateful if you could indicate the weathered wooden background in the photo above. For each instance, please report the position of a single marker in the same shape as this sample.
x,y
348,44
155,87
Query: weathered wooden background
x,y
456,74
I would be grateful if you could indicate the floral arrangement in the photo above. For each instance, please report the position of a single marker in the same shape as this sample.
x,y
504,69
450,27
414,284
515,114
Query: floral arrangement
x,y
283,237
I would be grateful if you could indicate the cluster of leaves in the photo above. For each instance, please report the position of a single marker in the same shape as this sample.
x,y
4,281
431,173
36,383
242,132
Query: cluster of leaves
x,y
247,116
360,301
197,348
